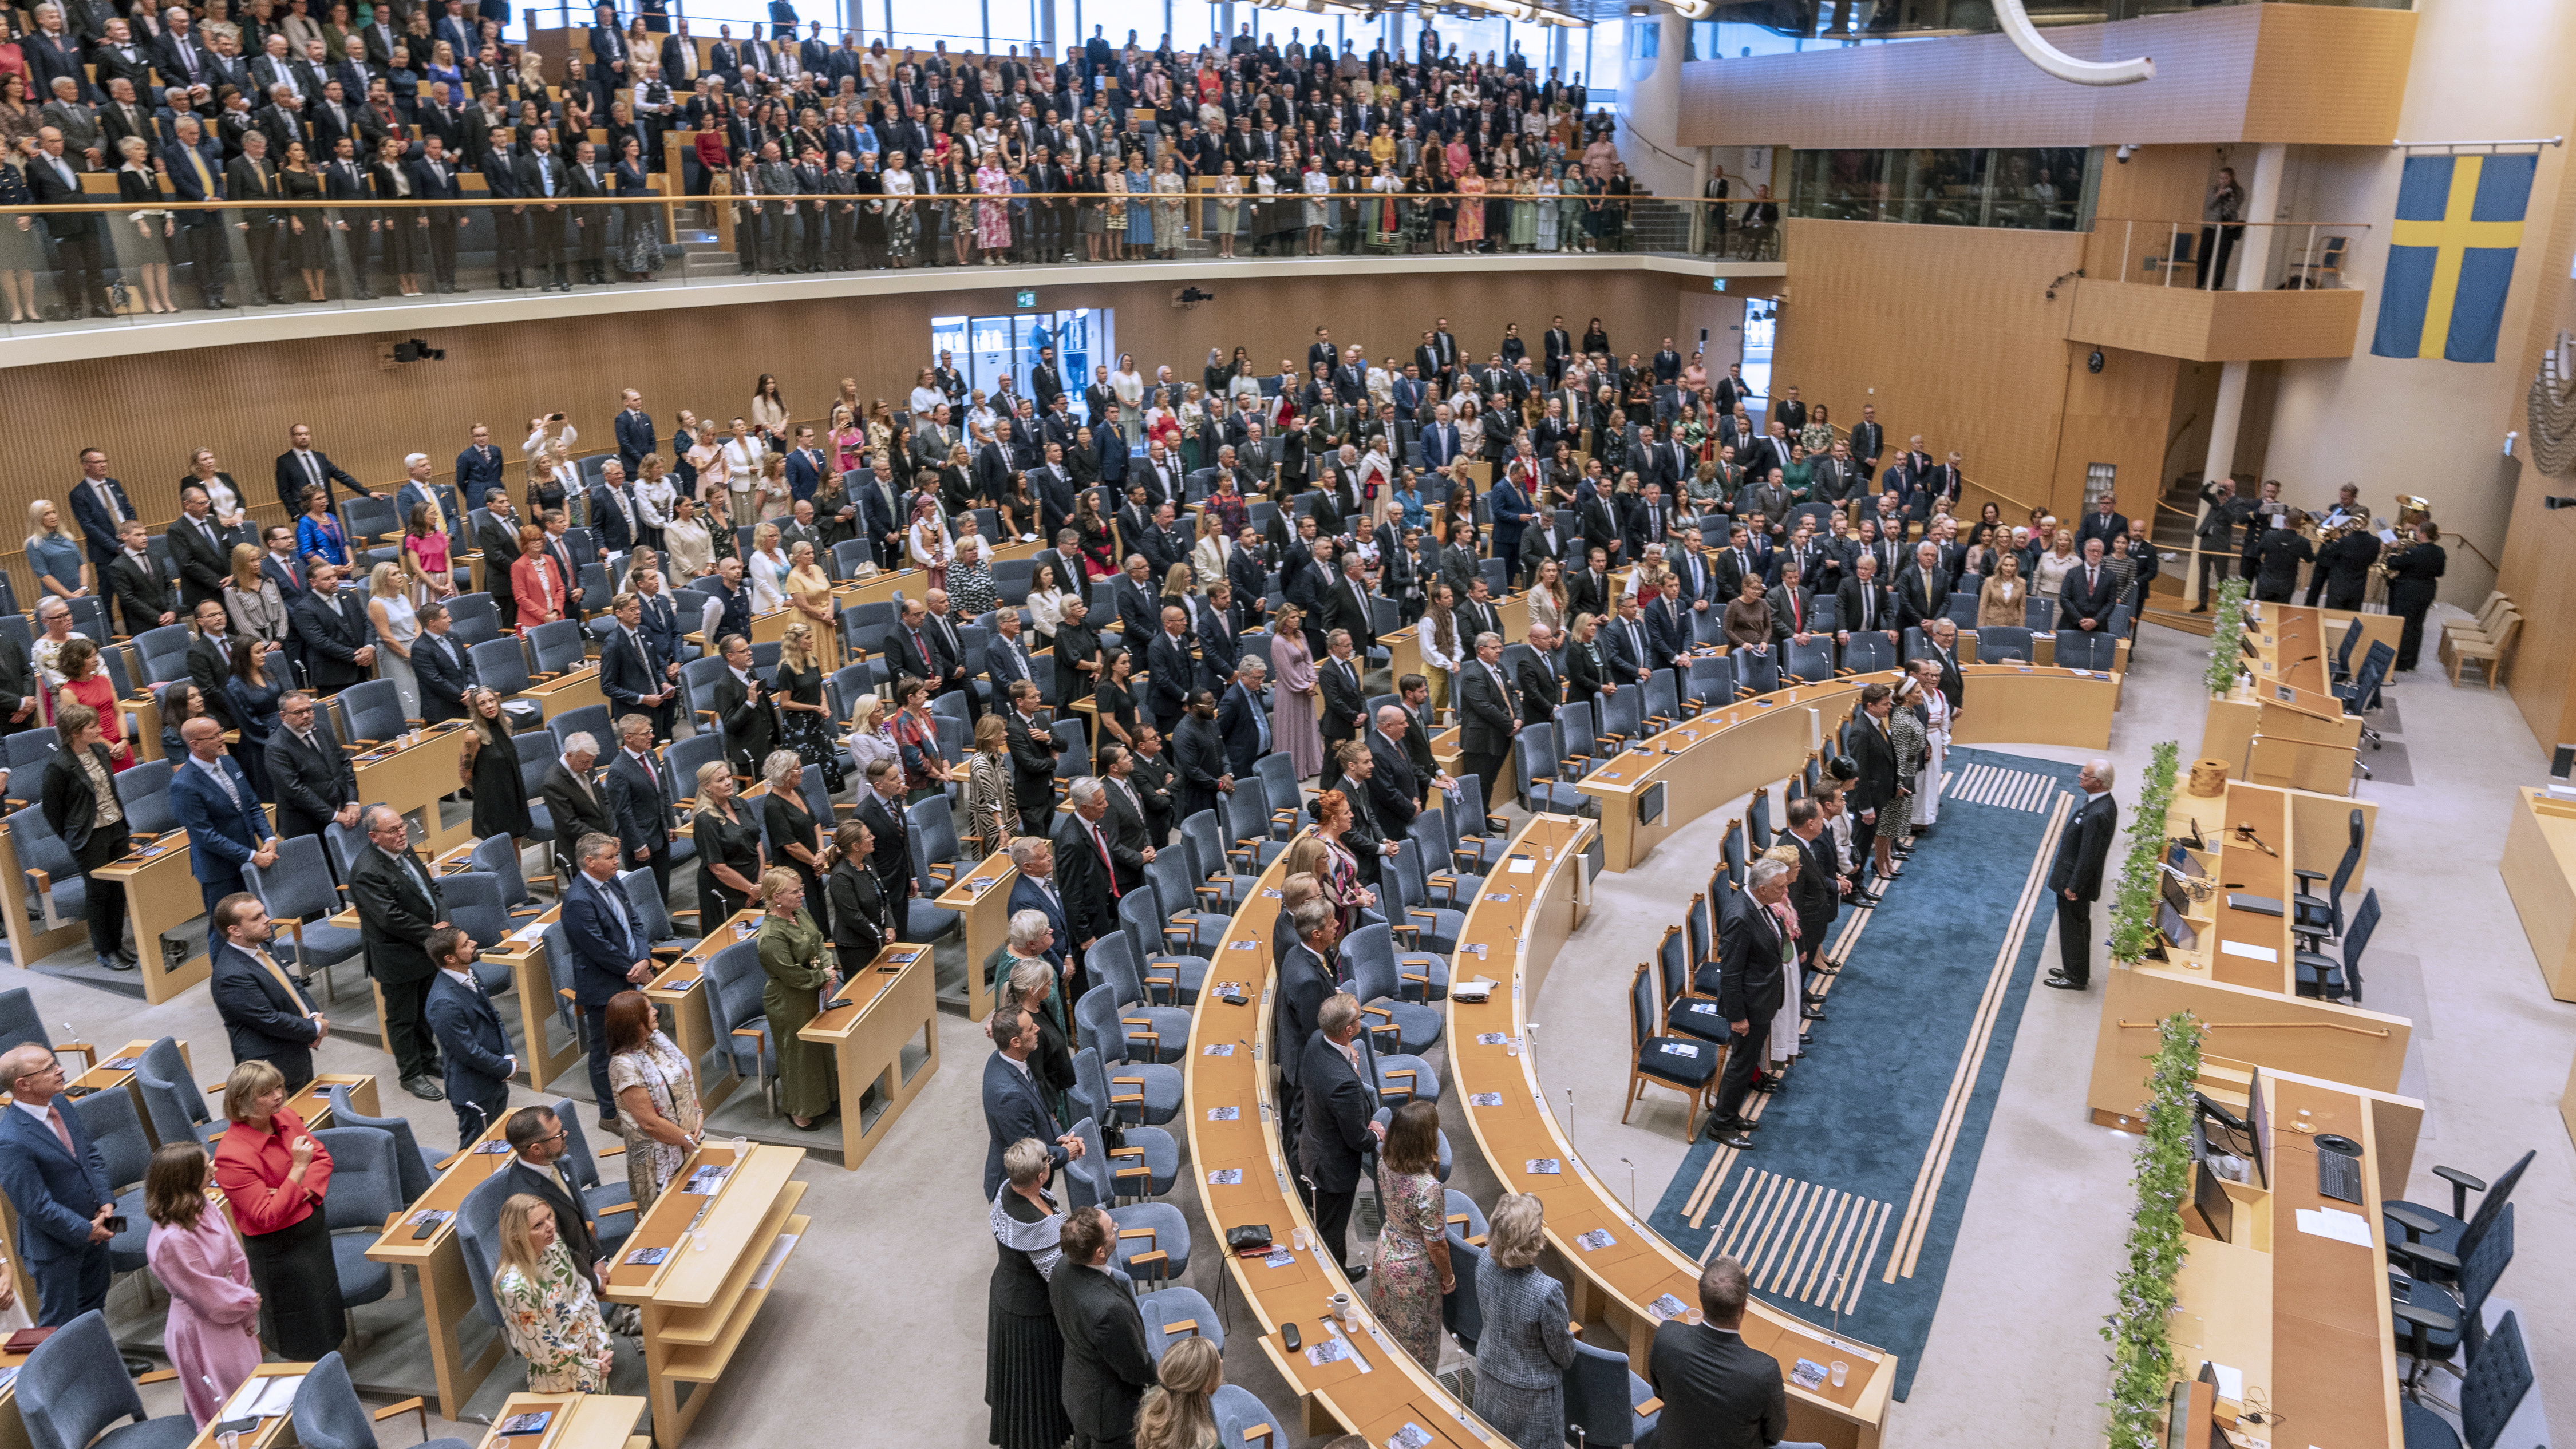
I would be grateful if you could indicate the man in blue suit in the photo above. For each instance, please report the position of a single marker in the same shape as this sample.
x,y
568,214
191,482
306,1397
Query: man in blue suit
x,y
804,464
57,1181
1033,857
478,467
611,952
1111,446
1511,511
99,504
1015,1106
196,164
630,670
1242,721
446,671
266,1015
1440,440
470,1040
211,797
634,432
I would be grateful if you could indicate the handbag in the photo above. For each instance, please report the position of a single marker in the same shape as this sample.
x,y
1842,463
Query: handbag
x,y
1248,1238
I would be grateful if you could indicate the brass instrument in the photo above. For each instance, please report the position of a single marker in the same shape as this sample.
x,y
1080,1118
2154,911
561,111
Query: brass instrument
x,y
2412,509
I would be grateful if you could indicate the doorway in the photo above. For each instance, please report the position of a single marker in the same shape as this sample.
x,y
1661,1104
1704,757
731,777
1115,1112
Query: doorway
x,y
1761,329
989,349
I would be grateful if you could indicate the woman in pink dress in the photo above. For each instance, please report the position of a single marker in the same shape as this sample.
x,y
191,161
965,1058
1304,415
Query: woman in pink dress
x,y
213,1333
993,218
1293,694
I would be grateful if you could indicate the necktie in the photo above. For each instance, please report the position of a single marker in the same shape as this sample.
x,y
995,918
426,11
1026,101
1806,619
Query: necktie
x,y
1105,863
197,163
276,973
226,781
62,1134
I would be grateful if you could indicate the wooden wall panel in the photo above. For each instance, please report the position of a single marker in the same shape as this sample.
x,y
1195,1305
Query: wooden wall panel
x,y
2178,321
1951,325
2294,73
150,409
2121,416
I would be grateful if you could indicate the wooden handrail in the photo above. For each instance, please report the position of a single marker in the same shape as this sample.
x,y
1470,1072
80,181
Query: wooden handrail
x,y
2261,1025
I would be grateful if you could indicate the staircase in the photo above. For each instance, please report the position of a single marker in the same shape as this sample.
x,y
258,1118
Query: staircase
x,y
2172,534
702,256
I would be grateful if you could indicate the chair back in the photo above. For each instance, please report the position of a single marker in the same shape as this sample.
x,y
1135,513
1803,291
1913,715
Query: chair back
x,y
738,979
1808,663
931,829
2483,1262
366,1177
1574,736
1087,1178
2498,1378
646,897
499,854
1672,969
2356,940
686,757
1404,873
1140,918
2343,651
144,792
297,887
1090,1091
2038,613
1962,608
1760,672
577,1163
75,1385
1867,653
1534,758
474,906
592,720
474,619
1998,642
412,1173
1461,1312
1757,820
1712,681
1168,875
372,710
1095,1017
29,750
118,1131
1199,840
1662,701
164,651
1113,959
19,1019
1623,714
501,664
1279,778
170,1095
2079,650
1730,852
1643,1013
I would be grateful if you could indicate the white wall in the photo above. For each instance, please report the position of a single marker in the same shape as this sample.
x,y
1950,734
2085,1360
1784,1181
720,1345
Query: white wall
x,y
1650,108
2482,70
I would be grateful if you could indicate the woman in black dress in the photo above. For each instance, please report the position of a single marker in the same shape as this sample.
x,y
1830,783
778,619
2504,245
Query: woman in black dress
x,y
256,684
1116,698
862,922
1023,1351
790,826
308,243
730,859
490,768
805,721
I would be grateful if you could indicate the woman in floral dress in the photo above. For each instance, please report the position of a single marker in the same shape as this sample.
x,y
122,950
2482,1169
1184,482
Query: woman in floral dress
x,y
1167,214
1411,1271
993,218
657,1097
548,1312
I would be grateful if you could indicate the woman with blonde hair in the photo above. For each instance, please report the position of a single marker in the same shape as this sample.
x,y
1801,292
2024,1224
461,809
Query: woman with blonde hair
x,y
547,487
489,766
1547,601
1023,1349
1176,1413
801,976
1443,648
251,599
971,593
991,809
868,738
656,497
55,555
777,500
2003,601
548,1312
795,836
2054,565
397,624
1296,694
1526,1346
730,858
767,570
809,593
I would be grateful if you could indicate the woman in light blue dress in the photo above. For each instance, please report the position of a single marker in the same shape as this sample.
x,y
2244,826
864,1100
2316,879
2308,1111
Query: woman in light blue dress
x,y
1140,217
1549,209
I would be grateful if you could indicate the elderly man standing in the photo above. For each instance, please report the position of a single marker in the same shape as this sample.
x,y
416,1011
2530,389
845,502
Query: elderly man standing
x,y
57,1181
2075,877
399,904
1751,985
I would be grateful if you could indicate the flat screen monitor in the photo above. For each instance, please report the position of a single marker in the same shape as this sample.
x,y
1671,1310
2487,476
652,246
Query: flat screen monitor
x,y
2176,898
2175,928
2180,858
2217,1210
2262,1120
1650,804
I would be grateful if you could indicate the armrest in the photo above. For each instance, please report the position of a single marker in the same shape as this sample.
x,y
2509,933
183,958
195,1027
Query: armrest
x,y
624,1207
1127,1081
1650,1406
755,1033
1180,1326
84,1048
2461,1186
407,1406
1125,1233
615,1151
2422,1320
2309,875
2413,1219
158,1376
1257,1434
2427,1261
1379,1012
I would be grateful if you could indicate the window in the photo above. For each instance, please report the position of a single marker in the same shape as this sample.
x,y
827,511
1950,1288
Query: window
x,y
2035,188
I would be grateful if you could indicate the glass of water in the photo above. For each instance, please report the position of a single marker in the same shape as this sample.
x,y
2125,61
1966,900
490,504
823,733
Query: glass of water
x,y
740,1146
1842,1371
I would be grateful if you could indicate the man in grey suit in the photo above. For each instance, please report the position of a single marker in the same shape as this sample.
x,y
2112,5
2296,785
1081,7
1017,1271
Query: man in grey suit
x,y
1750,987
2075,877
1486,717
1015,1105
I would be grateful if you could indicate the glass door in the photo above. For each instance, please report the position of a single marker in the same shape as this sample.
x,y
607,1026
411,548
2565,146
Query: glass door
x,y
988,349
1761,329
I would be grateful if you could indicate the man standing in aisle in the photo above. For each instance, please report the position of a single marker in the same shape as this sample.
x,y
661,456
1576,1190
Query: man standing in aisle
x,y
2076,877
398,906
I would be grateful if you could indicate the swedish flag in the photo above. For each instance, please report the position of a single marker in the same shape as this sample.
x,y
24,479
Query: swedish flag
x,y
2450,256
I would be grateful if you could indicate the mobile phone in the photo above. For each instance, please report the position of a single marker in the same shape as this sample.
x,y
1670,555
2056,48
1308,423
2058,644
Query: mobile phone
x,y
1288,1337
116,1223
237,1426
424,1230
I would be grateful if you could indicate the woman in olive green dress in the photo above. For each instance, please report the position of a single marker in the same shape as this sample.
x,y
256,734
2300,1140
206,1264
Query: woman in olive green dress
x,y
800,975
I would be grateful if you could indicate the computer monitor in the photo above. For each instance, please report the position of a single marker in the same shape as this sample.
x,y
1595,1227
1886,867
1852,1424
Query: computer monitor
x,y
2209,1198
2223,1133
2175,929
1650,803
2178,899
2261,1120
2179,856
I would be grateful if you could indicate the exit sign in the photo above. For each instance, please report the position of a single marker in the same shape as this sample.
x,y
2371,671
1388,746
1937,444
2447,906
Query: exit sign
x,y
1717,284
1027,300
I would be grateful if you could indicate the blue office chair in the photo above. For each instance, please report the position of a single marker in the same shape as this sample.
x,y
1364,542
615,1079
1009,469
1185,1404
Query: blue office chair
x,y
736,981
74,1386
366,1188
110,1119
1687,1067
171,1099
2496,1384
415,1171
2453,1232
1999,642
1095,1018
1148,1150
1604,1400
1153,1241
1391,999
297,892
2077,649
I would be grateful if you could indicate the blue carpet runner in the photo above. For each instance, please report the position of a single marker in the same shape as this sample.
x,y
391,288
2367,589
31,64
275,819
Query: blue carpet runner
x,y
1846,1210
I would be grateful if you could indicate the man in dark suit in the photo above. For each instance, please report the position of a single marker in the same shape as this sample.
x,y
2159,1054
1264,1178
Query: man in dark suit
x,y
1487,719
1335,1130
212,800
315,784
574,797
640,803
1033,750
1344,712
201,550
1716,1389
2090,591
196,171
1750,987
1167,658
1085,872
2104,523
446,671
611,950
537,1143
1243,719
330,625
304,466
542,180
497,534
266,1014
470,1039
881,809
1815,892
1587,590
1199,768
54,180
2075,877
1107,1366
141,587
57,1180
210,660
1923,590
630,669
99,509
1861,604
399,904
744,709
1874,788
1015,1106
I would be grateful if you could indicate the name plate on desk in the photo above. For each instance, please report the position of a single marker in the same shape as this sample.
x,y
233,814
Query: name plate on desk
x,y
2259,905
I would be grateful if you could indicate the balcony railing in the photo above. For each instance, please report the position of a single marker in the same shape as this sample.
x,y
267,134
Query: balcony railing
x,y
2286,255
332,255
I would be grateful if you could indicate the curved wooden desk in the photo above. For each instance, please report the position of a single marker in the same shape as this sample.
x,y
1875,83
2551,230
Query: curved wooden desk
x,y
1623,1273
1395,1391
1727,753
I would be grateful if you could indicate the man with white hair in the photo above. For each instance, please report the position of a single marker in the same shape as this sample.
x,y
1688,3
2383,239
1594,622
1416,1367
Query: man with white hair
x,y
2075,877
573,796
1085,874
1750,982
399,904
57,1179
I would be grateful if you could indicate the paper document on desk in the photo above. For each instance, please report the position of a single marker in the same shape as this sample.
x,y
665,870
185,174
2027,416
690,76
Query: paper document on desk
x,y
265,1398
1523,865
2337,1224
526,934
2250,953
2231,1382
779,1248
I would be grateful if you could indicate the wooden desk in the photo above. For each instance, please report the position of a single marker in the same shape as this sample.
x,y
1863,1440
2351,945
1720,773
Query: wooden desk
x,y
524,952
1522,920
2249,1003
681,987
699,1301
2304,1316
2539,868
142,715
2287,728
275,1429
161,897
438,1261
569,691
986,911
409,773
872,1018
313,1104
581,1421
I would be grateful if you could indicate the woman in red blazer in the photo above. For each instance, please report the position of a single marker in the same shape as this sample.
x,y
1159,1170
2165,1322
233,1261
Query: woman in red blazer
x,y
274,1174
535,582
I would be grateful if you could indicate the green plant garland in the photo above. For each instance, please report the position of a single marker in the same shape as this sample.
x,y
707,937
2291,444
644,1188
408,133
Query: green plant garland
x,y
2133,900
2139,1327
2227,638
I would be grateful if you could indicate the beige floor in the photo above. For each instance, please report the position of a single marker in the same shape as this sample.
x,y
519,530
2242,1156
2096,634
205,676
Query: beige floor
x,y
879,1334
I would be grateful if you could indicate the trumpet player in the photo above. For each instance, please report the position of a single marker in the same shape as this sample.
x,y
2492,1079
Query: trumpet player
x,y
2342,570
2278,556
2414,572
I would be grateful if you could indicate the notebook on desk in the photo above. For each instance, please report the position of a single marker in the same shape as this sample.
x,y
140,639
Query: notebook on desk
x,y
2259,905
